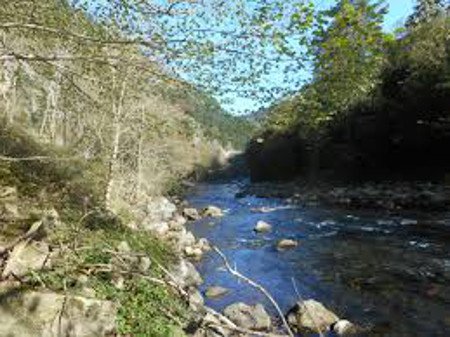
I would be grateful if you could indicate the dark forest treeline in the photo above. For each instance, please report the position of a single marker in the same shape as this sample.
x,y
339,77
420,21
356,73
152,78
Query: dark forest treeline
x,y
378,105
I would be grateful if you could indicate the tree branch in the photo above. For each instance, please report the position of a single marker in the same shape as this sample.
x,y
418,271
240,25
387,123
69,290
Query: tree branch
x,y
234,272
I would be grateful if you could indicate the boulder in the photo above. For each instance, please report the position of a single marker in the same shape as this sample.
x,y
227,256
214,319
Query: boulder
x,y
35,314
311,315
156,228
249,317
159,210
185,274
26,257
345,328
191,214
286,244
262,227
204,245
216,292
193,252
212,211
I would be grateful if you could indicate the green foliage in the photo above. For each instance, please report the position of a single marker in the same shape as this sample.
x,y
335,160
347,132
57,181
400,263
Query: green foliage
x,y
376,102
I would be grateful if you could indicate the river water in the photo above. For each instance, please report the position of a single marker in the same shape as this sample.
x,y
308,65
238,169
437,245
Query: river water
x,y
387,272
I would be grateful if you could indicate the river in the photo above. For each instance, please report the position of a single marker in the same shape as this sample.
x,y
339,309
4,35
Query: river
x,y
387,272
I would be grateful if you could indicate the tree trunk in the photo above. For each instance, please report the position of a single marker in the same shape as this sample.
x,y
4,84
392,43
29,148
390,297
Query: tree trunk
x,y
117,108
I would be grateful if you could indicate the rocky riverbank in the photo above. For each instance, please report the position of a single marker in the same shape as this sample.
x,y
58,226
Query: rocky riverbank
x,y
389,196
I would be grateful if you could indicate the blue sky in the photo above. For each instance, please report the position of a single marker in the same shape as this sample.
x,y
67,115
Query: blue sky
x,y
398,12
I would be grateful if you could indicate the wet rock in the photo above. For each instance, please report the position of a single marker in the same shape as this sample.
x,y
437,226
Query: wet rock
x,y
249,317
186,275
34,314
216,292
345,328
213,212
311,315
262,227
191,214
286,244
26,257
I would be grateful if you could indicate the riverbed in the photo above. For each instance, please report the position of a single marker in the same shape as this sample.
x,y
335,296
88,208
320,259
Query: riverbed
x,y
386,272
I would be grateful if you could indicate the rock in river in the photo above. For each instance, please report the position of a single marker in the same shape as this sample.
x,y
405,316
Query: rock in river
x,y
311,315
249,317
216,292
262,227
213,212
191,214
286,244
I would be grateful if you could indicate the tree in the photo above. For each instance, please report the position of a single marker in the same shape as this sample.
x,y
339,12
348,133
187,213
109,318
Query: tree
x,y
348,53
425,11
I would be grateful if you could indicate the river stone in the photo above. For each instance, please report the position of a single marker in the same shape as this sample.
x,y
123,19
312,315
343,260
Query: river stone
x,y
311,315
216,292
185,274
193,252
26,257
35,314
213,212
262,226
191,214
248,317
286,244
345,328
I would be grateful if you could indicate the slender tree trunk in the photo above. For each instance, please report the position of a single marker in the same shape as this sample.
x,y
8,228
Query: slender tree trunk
x,y
115,148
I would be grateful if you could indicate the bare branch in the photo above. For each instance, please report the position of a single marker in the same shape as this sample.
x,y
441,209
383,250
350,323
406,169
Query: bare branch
x,y
234,272
36,158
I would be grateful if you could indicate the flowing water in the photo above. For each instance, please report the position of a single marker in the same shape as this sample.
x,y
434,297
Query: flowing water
x,y
391,273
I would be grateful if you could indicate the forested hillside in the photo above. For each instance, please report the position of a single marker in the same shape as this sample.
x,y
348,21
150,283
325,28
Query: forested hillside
x,y
94,129
377,106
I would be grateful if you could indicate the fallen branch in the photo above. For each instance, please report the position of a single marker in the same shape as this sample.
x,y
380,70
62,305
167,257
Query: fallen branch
x,y
35,158
234,272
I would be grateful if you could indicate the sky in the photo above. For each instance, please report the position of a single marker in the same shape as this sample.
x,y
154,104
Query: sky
x,y
399,10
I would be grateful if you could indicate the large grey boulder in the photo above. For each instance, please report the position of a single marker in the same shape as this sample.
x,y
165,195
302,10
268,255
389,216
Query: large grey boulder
x,y
185,274
35,314
26,257
311,315
249,317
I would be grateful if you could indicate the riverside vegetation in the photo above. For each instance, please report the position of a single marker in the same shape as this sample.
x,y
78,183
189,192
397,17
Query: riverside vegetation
x,y
92,134
376,107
